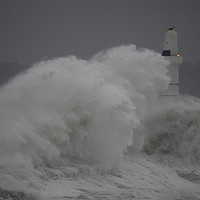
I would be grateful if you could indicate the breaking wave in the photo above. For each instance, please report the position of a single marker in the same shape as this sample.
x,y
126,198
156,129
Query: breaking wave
x,y
71,108
174,128
67,114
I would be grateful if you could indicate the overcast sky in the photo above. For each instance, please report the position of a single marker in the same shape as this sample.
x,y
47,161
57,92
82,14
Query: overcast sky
x,y
32,30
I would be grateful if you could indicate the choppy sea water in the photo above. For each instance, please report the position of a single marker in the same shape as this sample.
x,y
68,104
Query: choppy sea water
x,y
98,129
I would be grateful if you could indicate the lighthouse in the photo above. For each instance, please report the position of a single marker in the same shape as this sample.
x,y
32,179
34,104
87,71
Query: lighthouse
x,y
170,52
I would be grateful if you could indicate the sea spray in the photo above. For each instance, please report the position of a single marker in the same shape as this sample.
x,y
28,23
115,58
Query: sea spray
x,y
68,108
173,127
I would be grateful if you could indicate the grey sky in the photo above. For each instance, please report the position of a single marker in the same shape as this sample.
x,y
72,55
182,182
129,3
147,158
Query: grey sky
x,y
34,29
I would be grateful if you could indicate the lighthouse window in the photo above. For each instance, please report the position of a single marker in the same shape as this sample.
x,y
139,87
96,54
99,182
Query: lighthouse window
x,y
166,53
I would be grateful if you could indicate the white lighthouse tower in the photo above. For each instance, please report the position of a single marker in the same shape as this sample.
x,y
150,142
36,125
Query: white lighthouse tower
x,y
170,52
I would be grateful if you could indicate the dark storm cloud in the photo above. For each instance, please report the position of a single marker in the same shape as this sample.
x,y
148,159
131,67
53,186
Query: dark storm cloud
x,y
32,29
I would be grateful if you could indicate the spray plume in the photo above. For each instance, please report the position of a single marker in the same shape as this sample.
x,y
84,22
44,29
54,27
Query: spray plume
x,y
69,108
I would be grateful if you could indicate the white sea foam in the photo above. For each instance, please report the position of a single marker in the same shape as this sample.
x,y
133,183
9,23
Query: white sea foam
x,y
71,108
90,111
173,127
